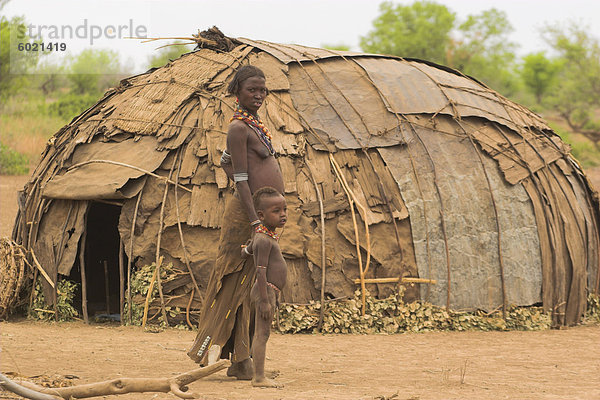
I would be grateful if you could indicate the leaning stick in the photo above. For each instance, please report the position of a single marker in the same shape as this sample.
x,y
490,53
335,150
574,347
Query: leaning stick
x,y
323,255
177,385
130,258
185,255
81,164
149,294
187,309
159,259
38,266
352,200
33,288
121,281
84,308
394,280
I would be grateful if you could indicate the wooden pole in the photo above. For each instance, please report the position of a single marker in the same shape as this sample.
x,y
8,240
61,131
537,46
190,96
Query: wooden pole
x,y
121,280
185,255
38,266
83,281
148,296
106,287
130,258
159,259
323,247
160,292
351,200
187,309
394,280
33,291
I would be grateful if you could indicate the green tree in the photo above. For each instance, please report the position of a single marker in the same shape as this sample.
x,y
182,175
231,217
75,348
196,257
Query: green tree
x,y
15,64
577,94
92,71
420,30
478,46
171,52
539,74
484,51
339,47
50,76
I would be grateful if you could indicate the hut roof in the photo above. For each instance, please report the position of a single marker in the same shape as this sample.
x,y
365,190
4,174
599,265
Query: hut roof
x,y
457,183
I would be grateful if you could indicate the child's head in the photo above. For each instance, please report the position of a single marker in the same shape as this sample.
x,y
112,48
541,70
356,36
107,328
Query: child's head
x,y
270,207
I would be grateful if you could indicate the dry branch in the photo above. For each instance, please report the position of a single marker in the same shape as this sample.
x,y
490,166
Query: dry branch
x,y
177,385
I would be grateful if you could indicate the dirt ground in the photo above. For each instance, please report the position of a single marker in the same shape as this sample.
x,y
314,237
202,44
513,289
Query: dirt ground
x,y
553,364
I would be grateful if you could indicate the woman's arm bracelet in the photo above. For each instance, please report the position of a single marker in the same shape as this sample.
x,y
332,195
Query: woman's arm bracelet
x,y
240,177
255,222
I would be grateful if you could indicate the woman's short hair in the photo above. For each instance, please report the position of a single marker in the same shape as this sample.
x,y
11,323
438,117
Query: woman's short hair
x,y
263,192
245,72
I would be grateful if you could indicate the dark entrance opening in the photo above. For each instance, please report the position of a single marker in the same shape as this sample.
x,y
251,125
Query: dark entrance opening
x,y
101,260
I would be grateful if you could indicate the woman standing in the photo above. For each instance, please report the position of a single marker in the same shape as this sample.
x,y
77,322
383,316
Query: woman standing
x,y
250,162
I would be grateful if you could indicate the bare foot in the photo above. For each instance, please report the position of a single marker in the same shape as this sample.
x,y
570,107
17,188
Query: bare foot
x,y
243,370
266,383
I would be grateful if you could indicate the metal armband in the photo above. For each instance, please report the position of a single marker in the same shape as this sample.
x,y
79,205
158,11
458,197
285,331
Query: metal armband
x,y
225,158
240,177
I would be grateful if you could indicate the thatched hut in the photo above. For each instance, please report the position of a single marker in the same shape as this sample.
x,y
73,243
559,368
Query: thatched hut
x,y
448,181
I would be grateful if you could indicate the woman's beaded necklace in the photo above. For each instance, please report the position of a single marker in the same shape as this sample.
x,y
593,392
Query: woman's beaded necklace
x,y
263,229
256,124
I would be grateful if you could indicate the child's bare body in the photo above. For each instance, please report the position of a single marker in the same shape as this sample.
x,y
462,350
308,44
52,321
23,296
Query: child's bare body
x,y
271,275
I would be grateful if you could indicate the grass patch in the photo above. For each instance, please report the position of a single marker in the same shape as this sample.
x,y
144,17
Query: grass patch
x,y
26,126
71,105
12,162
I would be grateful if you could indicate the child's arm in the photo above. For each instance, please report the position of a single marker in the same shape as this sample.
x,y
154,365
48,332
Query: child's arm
x,y
262,250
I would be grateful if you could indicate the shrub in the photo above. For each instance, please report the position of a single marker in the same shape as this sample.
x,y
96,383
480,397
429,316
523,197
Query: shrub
x,y
64,302
71,105
12,162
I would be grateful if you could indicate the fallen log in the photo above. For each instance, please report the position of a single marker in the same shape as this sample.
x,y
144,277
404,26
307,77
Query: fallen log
x,y
177,385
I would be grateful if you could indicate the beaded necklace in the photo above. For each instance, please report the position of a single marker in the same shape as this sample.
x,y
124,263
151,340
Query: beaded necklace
x,y
257,126
263,229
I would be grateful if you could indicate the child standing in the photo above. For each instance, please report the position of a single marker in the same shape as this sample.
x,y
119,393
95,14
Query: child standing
x,y
271,274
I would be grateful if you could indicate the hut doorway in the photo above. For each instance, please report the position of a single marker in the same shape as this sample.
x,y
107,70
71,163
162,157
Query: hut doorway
x,y
101,263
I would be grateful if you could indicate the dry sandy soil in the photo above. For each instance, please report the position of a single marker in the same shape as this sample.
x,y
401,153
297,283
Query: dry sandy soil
x,y
553,364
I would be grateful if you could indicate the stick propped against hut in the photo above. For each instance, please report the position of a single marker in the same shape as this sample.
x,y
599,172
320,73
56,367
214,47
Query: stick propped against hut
x,y
412,170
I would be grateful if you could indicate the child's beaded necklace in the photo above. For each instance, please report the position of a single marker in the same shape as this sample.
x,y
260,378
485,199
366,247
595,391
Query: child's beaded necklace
x,y
263,229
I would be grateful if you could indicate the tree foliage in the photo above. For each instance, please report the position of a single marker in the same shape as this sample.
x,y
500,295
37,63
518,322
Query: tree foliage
x,y
478,46
14,64
163,56
420,30
339,47
576,97
539,74
483,50
92,71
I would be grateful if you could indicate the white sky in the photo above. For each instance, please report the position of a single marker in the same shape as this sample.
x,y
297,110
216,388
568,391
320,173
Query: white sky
x,y
310,22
